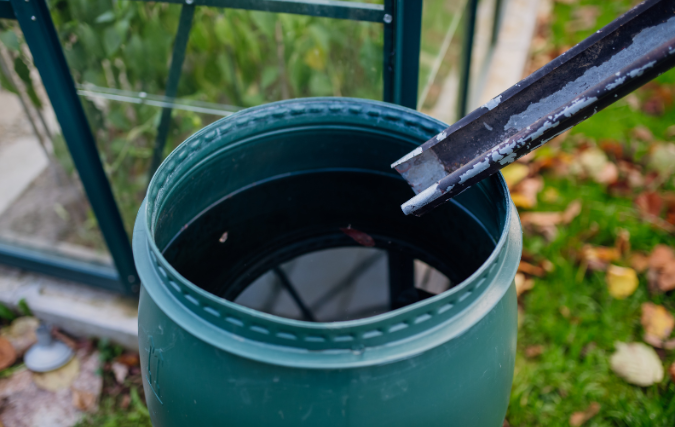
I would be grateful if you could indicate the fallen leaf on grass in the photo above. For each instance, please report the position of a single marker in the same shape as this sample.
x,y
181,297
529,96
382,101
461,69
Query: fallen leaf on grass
x,y
534,351
359,237
21,333
662,158
514,173
649,203
84,401
657,322
7,353
545,222
637,364
638,261
598,258
661,274
59,378
671,371
524,195
612,148
579,418
621,281
120,371
643,133
622,242
534,270
523,284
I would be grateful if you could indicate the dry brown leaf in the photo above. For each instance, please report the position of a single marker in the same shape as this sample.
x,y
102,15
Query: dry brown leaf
x,y
671,371
599,257
643,133
523,284
657,321
579,418
621,281
622,242
534,270
129,359
649,203
534,351
661,256
612,148
59,378
609,174
514,173
638,261
84,401
7,353
21,333
637,364
524,195
571,212
661,274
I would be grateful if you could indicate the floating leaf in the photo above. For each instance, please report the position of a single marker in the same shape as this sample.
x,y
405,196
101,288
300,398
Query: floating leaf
x,y
359,237
579,418
637,364
621,281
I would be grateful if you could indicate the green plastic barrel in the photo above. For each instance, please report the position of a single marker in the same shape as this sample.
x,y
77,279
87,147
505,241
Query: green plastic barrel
x,y
272,183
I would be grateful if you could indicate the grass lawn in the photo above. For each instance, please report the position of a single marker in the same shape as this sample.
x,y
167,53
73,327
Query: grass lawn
x,y
569,317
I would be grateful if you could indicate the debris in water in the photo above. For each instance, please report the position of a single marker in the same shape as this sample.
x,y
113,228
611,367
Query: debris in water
x,y
359,237
223,238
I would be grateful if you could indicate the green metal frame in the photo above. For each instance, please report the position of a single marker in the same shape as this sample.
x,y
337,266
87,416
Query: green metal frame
x,y
402,21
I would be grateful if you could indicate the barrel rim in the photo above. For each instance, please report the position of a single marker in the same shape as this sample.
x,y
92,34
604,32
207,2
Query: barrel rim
x,y
344,340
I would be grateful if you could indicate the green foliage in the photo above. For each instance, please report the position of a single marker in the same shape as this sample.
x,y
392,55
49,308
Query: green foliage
x,y
24,309
6,313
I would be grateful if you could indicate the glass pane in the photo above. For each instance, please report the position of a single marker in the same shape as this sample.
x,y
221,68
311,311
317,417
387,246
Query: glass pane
x,y
42,204
482,49
120,52
441,58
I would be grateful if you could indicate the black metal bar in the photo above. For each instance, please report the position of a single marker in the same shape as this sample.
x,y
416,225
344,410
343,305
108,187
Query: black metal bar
x,y
614,61
178,56
60,266
407,37
467,51
388,53
40,35
324,8
286,283
402,289
6,10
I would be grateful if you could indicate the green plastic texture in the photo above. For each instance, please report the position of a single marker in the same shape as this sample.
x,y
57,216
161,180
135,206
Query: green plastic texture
x,y
446,360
